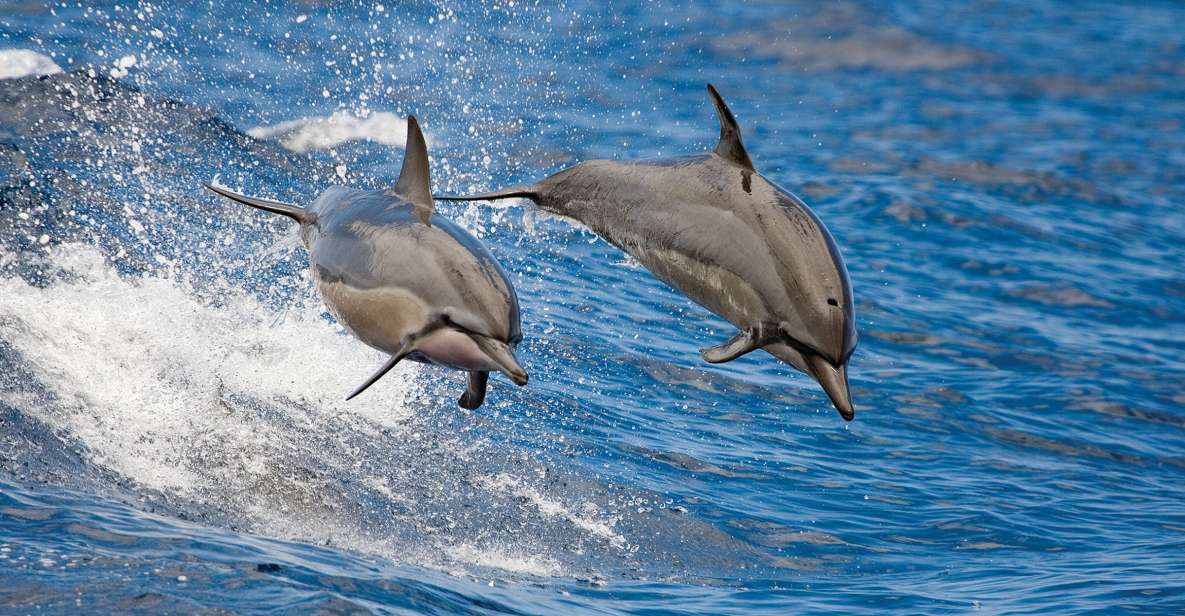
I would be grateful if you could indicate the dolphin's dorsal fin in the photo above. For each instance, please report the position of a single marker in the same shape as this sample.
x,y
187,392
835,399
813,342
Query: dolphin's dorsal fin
x,y
730,147
414,184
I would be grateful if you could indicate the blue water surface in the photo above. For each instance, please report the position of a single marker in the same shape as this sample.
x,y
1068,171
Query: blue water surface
x,y
1005,180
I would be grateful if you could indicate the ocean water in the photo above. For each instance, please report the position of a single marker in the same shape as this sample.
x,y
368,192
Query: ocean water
x,y
1006,181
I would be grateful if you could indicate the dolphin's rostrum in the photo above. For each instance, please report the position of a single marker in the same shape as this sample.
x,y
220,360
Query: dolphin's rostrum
x,y
714,228
407,281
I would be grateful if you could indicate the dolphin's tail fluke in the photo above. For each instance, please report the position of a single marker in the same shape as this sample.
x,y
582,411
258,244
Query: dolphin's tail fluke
x,y
276,207
514,192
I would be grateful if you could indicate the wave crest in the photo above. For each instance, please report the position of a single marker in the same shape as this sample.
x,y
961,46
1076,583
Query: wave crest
x,y
323,133
15,63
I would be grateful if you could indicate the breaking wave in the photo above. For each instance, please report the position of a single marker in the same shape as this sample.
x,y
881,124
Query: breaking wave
x,y
323,133
16,63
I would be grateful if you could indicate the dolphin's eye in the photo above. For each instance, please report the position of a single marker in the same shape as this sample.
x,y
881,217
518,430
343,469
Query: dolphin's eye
x,y
831,300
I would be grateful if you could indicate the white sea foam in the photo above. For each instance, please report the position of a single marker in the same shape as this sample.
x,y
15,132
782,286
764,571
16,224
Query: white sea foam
x,y
512,561
147,376
322,133
227,405
587,520
25,62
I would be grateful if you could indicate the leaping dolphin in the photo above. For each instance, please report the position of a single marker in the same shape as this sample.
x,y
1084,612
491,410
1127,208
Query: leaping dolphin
x,y
714,228
405,280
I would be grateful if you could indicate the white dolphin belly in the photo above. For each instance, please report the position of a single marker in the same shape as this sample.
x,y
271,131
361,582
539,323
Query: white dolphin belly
x,y
382,318
387,318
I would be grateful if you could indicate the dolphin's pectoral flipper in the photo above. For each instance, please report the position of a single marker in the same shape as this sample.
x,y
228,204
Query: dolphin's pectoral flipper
x,y
296,213
502,356
407,348
514,192
414,183
745,341
475,393
730,146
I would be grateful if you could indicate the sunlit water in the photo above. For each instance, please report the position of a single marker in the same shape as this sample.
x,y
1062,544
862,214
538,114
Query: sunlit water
x,y
1006,182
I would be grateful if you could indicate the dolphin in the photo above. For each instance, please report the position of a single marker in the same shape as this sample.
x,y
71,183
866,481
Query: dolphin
x,y
406,281
715,229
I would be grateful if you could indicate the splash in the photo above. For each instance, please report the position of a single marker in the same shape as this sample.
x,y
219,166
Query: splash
x,y
151,379
591,523
236,414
